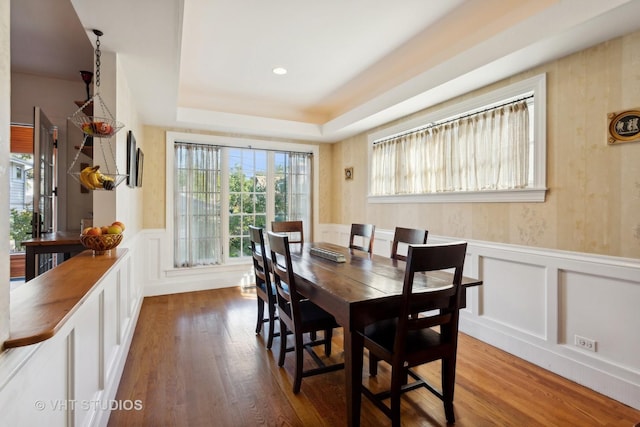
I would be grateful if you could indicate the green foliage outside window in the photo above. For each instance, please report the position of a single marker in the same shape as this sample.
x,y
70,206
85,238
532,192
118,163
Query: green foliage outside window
x,y
19,227
248,205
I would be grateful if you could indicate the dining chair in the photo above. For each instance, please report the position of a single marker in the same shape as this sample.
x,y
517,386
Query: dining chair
x,y
407,341
294,230
298,314
407,236
364,231
265,291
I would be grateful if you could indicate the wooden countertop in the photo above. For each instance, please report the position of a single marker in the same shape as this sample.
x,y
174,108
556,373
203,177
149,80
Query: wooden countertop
x,y
57,238
40,307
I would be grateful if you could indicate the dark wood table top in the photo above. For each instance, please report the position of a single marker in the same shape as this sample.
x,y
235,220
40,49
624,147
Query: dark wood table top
x,y
53,239
348,290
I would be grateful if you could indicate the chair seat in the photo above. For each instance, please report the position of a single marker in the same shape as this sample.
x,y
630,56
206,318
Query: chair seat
x,y
312,316
311,313
383,333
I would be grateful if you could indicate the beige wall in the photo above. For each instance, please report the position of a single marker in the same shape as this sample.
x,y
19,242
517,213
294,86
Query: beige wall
x,y
153,190
593,202
594,190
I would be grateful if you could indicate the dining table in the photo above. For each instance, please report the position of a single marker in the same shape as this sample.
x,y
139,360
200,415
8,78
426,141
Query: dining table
x,y
359,290
64,242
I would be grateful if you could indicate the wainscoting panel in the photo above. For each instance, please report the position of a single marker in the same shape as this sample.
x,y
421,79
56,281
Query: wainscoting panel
x,y
86,358
110,325
514,294
592,305
35,393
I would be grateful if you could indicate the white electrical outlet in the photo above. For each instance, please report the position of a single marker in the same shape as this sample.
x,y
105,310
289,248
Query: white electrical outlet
x,y
586,343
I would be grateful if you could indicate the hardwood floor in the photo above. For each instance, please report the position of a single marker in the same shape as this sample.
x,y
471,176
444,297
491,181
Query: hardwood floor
x,y
196,361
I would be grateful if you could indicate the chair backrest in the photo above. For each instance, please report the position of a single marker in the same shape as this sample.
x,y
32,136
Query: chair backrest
x,y
408,236
294,230
258,252
287,295
366,232
442,302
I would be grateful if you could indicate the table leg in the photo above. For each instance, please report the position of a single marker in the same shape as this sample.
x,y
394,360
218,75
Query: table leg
x,y
30,264
353,354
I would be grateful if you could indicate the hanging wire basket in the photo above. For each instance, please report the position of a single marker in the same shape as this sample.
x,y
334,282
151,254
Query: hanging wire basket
x,y
98,132
97,127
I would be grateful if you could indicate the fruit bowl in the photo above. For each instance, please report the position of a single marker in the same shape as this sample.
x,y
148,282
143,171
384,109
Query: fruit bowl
x,y
99,127
101,244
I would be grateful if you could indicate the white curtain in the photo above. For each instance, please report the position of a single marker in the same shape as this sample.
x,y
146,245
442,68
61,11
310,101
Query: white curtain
x,y
197,219
299,188
484,151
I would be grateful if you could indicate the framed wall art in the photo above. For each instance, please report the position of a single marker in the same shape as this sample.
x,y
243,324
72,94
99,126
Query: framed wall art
x,y
624,126
139,167
131,160
348,173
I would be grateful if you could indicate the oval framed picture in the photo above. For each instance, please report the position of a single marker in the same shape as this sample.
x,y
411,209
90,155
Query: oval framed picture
x,y
624,126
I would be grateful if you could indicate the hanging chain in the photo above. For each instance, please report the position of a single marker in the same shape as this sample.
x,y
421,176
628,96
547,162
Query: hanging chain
x,y
98,53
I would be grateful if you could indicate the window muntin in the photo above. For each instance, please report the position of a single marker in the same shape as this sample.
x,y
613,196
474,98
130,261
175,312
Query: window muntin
x,y
247,197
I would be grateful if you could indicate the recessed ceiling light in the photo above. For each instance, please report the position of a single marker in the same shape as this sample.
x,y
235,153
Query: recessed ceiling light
x,y
280,71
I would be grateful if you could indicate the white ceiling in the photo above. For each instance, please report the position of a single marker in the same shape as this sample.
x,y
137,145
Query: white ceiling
x,y
353,64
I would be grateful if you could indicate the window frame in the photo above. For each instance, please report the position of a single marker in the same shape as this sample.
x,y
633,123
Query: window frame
x,y
536,193
228,141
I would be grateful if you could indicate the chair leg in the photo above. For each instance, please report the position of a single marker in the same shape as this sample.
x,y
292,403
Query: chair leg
x,y
272,325
397,376
405,376
328,334
283,343
313,335
448,385
299,351
260,315
373,365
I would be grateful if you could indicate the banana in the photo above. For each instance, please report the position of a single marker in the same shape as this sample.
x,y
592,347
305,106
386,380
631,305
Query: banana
x,y
84,178
93,178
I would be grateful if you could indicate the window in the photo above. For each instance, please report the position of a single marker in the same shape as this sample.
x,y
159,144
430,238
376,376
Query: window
x,y
265,186
247,197
491,148
220,190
